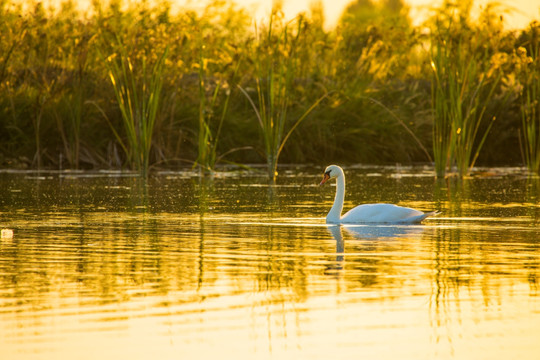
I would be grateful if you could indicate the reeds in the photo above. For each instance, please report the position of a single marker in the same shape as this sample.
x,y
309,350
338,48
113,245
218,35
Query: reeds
x,y
276,67
463,83
213,107
529,69
138,91
57,89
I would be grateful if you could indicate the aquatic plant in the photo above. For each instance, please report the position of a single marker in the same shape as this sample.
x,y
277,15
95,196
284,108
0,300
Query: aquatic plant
x,y
529,71
211,102
56,89
276,68
464,81
138,91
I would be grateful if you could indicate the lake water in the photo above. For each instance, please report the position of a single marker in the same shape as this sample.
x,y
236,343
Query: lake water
x,y
106,266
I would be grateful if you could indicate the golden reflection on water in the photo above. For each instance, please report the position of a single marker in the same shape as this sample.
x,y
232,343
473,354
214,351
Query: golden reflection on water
x,y
188,269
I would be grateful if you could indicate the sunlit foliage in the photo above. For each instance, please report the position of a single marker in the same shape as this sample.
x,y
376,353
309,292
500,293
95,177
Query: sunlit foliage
x,y
528,69
58,105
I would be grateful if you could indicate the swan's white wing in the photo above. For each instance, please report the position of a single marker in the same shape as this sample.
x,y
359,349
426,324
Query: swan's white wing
x,y
383,213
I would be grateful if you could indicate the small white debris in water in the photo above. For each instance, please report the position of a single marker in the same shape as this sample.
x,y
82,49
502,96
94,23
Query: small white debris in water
x,y
7,233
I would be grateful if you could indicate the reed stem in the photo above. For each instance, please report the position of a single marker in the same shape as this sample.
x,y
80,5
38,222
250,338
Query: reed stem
x,y
137,91
463,84
276,64
529,64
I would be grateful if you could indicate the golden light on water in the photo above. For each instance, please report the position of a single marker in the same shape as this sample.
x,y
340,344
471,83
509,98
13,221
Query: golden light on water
x,y
381,296
238,270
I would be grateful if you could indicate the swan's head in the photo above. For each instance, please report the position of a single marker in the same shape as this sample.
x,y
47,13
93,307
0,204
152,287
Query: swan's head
x,y
331,172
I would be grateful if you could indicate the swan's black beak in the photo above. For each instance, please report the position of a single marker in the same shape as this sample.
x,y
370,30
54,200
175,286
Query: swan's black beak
x,y
325,178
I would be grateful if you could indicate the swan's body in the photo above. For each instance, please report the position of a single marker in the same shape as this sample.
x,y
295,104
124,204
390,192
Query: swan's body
x,y
368,213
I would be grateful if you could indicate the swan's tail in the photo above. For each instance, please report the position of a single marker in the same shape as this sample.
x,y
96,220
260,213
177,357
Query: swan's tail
x,y
419,218
431,213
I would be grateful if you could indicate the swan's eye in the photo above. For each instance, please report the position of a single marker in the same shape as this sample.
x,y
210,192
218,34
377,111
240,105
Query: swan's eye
x,y
327,173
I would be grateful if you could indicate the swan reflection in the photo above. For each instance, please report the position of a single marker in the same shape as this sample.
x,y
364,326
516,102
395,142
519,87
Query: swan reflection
x,y
366,232
372,232
334,268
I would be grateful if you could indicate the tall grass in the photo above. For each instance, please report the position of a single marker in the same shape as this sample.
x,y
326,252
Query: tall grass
x,y
463,85
276,67
213,107
70,122
138,91
529,67
57,86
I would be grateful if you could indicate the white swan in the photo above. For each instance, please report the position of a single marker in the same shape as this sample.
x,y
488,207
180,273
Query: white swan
x,y
368,213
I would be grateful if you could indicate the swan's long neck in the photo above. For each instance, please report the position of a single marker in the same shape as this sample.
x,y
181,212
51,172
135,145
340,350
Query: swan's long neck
x,y
334,215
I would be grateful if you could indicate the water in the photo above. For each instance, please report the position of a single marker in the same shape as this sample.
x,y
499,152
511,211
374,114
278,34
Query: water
x,y
102,266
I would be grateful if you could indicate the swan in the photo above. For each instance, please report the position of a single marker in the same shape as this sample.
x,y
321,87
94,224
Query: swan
x,y
367,213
